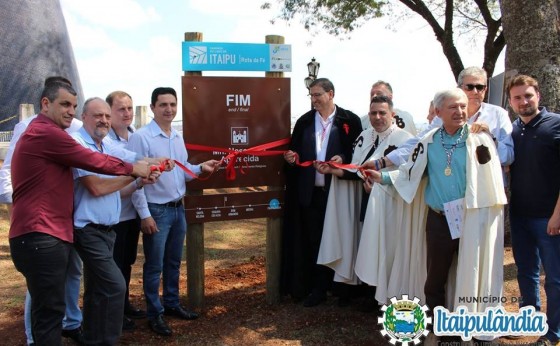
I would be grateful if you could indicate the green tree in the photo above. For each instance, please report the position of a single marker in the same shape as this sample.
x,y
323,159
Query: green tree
x,y
448,19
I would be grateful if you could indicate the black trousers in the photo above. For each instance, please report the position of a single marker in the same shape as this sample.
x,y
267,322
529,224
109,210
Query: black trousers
x,y
313,218
43,260
104,285
126,249
440,251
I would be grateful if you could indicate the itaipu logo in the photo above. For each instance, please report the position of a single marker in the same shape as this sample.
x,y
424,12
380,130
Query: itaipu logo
x,y
404,320
198,55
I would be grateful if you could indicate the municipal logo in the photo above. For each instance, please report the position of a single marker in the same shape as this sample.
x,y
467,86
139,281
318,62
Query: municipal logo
x,y
404,320
198,55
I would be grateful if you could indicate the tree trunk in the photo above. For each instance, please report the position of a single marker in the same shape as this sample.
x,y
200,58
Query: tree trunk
x,y
532,32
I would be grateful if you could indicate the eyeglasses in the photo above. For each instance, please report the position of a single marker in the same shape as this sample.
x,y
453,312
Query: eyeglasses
x,y
315,95
478,87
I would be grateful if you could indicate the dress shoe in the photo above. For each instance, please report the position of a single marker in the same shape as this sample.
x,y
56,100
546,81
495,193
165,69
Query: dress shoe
x,y
314,299
134,313
128,324
74,334
158,325
181,312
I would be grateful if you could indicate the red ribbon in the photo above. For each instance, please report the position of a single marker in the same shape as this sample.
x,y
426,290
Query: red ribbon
x,y
163,164
335,164
232,155
259,150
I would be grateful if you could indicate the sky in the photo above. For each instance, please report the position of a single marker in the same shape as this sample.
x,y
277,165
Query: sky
x,y
135,46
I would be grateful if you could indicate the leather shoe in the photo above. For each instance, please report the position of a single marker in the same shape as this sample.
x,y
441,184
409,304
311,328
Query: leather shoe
x,y
74,334
314,299
181,312
158,325
128,324
134,313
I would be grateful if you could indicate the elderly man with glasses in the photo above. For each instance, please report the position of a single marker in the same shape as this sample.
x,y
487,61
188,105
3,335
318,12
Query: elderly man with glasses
x,y
481,116
491,118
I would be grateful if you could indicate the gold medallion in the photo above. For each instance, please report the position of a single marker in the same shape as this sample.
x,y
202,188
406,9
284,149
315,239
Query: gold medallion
x,y
447,171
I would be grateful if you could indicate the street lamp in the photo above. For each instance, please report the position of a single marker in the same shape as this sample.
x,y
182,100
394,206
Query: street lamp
x,y
313,69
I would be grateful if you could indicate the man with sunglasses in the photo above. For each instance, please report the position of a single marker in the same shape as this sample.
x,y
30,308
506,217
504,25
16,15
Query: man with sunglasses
x,y
485,116
481,116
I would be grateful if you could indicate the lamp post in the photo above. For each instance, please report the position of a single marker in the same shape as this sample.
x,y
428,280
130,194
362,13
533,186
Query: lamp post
x,y
313,70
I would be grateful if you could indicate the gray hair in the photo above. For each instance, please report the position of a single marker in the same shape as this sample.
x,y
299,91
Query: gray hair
x,y
91,99
471,71
441,96
385,84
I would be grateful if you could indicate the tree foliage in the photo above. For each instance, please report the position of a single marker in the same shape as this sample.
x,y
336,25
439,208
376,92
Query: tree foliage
x,y
447,18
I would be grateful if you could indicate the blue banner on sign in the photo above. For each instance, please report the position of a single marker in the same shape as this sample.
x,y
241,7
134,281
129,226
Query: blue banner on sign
x,y
212,56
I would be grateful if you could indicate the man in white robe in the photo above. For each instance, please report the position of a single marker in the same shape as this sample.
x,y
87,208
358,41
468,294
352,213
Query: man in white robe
x,y
347,202
454,165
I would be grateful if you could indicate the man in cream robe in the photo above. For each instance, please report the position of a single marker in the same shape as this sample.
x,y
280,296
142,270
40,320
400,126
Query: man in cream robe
x,y
392,254
479,265
342,226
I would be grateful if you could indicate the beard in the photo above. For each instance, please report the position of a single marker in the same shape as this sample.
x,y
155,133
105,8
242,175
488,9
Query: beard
x,y
527,111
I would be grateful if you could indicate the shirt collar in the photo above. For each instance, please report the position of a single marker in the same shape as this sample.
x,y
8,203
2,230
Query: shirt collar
x,y
89,140
155,130
113,135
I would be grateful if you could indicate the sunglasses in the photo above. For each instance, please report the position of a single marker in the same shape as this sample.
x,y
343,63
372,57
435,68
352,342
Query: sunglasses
x,y
478,87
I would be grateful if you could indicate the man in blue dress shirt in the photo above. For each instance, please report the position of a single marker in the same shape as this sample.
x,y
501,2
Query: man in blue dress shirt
x,y
97,207
163,221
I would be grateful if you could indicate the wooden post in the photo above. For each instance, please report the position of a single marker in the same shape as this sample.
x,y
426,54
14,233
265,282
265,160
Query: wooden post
x,y
195,233
273,224
26,110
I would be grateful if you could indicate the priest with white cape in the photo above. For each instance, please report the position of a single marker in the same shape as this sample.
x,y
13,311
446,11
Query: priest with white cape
x,y
454,177
347,200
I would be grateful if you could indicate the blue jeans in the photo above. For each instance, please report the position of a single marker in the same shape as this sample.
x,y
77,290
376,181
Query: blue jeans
x,y
163,251
73,314
531,247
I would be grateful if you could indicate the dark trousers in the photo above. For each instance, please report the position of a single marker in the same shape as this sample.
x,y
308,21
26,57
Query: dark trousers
x,y
313,217
125,250
440,251
104,285
43,260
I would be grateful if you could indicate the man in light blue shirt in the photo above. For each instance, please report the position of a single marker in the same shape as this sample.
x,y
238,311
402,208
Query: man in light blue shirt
x,y
163,221
128,228
482,116
97,207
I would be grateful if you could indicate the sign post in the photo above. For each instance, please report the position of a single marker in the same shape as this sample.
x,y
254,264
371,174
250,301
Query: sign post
x,y
233,118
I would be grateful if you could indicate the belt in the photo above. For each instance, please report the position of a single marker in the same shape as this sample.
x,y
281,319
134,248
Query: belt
x,y
173,204
439,212
98,227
